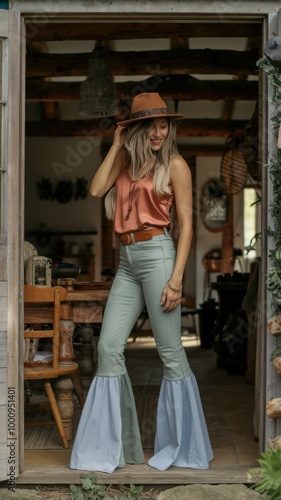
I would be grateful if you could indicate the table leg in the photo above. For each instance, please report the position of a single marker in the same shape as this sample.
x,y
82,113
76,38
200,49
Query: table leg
x,y
64,390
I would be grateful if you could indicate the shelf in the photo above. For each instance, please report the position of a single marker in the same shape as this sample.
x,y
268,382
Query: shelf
x,y
60,233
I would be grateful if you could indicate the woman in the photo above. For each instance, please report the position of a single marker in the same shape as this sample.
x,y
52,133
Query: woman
x,y
145,177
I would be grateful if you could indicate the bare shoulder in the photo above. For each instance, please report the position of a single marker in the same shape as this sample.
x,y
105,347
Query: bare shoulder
x,y
179,167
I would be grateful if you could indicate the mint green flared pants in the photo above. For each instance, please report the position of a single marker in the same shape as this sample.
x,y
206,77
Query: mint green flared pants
x,y
143,272
108,435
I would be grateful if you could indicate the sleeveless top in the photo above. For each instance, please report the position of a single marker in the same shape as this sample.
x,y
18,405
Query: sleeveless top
x,y
138,206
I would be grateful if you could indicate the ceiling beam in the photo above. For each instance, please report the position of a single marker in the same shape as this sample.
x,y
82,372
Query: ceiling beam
x,y
187,88
164,62
111,31
179,87
105,127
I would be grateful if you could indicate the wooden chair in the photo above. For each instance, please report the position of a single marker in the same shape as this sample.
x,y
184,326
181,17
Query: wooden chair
x,y
50,297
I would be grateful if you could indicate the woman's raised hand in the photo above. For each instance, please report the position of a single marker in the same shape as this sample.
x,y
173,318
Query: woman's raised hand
x,y
119,136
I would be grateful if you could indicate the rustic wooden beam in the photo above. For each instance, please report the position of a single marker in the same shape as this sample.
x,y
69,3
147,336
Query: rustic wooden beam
x,y
180,87
131,30
164,62
105,128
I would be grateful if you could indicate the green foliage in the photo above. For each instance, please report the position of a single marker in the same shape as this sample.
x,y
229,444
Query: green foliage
x,y
270,474
274,274
275,353
92,491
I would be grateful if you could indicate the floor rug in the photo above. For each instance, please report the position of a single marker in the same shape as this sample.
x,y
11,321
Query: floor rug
x,y
46,437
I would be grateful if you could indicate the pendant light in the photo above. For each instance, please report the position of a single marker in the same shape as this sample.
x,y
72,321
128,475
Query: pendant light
x,y
98,93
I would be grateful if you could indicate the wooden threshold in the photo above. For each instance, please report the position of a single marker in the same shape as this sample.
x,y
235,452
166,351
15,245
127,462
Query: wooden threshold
x,y
230,427
50,467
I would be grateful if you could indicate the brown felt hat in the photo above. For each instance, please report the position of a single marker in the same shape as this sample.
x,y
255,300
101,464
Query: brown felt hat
x,y
148,105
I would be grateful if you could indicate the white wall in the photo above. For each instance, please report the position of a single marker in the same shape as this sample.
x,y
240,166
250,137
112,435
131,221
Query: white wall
x,y
206,168
81,158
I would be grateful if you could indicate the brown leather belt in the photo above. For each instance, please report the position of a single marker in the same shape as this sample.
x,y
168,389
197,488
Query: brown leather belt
x,y
127,238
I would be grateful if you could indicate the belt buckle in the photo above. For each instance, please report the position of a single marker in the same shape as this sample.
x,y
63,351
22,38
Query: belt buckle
x,y
125,238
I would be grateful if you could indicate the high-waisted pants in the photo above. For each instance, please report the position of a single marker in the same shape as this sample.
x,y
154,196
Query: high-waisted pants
x,y
108,434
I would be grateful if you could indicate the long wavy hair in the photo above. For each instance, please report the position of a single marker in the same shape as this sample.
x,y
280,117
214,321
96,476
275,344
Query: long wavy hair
x,y
143,161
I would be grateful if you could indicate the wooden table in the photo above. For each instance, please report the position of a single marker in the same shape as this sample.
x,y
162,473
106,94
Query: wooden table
x,y
83,307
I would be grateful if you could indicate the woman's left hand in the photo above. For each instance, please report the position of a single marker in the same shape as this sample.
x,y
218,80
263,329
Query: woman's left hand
x,y
170,299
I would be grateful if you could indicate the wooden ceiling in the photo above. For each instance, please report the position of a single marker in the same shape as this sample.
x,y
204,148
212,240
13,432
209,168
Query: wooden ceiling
x,y
171,72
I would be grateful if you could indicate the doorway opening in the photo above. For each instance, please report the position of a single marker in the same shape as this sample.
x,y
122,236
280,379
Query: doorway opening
x,y
217,100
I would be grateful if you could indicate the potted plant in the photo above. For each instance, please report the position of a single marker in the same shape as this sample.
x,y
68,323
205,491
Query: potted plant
x,y
269,477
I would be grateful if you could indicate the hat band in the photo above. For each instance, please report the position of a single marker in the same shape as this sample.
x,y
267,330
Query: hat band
x,y
149,112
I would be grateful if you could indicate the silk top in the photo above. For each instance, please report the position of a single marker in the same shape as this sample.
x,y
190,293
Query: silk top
x,y
137,202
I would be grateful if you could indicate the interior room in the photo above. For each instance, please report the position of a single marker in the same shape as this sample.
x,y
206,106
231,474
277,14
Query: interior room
x,y
207,71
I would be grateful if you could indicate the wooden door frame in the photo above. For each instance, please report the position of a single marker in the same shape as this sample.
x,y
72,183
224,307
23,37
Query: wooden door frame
x,y
22,11
15,219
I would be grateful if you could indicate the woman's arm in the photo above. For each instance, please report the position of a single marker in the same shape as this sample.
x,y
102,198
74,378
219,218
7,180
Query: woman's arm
x,y
111,166
182,187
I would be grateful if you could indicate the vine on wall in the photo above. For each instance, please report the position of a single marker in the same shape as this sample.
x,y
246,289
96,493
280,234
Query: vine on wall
x,y
274,272
274,166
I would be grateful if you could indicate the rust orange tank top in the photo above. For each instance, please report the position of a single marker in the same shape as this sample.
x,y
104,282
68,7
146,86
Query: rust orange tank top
x,y
138,206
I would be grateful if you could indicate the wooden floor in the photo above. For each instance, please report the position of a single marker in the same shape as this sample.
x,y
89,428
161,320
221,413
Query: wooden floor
x,y
228,404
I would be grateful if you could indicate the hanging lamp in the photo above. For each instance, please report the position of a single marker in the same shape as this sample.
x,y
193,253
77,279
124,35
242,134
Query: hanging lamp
x,y
98,93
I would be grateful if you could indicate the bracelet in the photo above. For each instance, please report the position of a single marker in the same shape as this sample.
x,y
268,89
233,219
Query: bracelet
x,y
173,287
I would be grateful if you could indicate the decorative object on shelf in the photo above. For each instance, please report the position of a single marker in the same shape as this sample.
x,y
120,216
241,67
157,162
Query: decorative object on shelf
x,y
214,205
29,250
64,190
74,248
212,261
65,270
98,92
39,271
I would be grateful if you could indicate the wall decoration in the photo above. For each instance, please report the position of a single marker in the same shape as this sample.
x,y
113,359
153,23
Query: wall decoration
x,y
81,189
45,189
64,190
214,205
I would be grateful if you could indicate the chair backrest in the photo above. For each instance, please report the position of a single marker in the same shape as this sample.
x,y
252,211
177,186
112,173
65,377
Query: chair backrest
x,y
42,305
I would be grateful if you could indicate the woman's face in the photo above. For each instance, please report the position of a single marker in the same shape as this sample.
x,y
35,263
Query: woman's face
x,y
157,133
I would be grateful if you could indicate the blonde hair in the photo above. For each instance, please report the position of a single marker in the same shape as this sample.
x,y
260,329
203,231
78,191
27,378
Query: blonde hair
x,y
143,161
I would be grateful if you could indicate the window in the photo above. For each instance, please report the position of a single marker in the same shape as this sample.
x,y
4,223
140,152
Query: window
x,y
250,223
